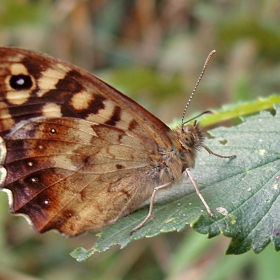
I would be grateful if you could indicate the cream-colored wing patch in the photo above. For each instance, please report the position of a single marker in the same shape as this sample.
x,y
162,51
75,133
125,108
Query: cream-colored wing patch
x,y
6,120
49,80
81,100
51,110
18,69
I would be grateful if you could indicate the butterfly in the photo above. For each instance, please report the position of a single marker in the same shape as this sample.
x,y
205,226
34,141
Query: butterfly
x,y
78,154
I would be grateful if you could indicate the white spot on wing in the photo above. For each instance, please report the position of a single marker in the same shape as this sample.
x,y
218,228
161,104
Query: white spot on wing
x,y
3,150
3,172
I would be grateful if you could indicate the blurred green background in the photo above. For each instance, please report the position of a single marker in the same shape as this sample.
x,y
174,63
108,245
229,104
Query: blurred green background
x,y
153,51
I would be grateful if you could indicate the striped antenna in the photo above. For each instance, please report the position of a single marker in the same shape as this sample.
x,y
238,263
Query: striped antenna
x,y
197,83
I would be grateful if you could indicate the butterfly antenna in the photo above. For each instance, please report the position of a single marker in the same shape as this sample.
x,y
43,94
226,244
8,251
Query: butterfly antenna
x,y
197,83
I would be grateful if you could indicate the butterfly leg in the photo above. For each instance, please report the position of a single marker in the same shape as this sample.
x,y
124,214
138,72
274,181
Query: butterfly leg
x,y
215,154
151,207
198,192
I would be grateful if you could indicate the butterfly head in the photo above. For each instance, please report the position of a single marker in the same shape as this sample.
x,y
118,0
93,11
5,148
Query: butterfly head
x,y
192,136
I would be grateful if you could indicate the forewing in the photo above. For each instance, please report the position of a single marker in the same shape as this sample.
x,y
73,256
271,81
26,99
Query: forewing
x,y
32,85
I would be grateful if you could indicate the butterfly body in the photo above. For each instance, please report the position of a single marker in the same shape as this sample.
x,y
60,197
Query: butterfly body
x,y
79,154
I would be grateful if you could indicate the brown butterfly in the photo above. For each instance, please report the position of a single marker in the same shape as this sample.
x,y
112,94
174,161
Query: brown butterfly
x,y
78,154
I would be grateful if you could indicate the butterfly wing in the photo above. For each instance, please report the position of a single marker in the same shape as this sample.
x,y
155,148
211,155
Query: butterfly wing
x,y
76,175
34,84
79,154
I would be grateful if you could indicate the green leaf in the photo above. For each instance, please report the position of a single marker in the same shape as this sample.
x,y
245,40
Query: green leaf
x,y
247,187
81,254
233,111
230,112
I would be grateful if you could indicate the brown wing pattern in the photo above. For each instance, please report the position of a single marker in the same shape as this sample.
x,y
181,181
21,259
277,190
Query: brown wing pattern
x,y
74,175
79,154
33,84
